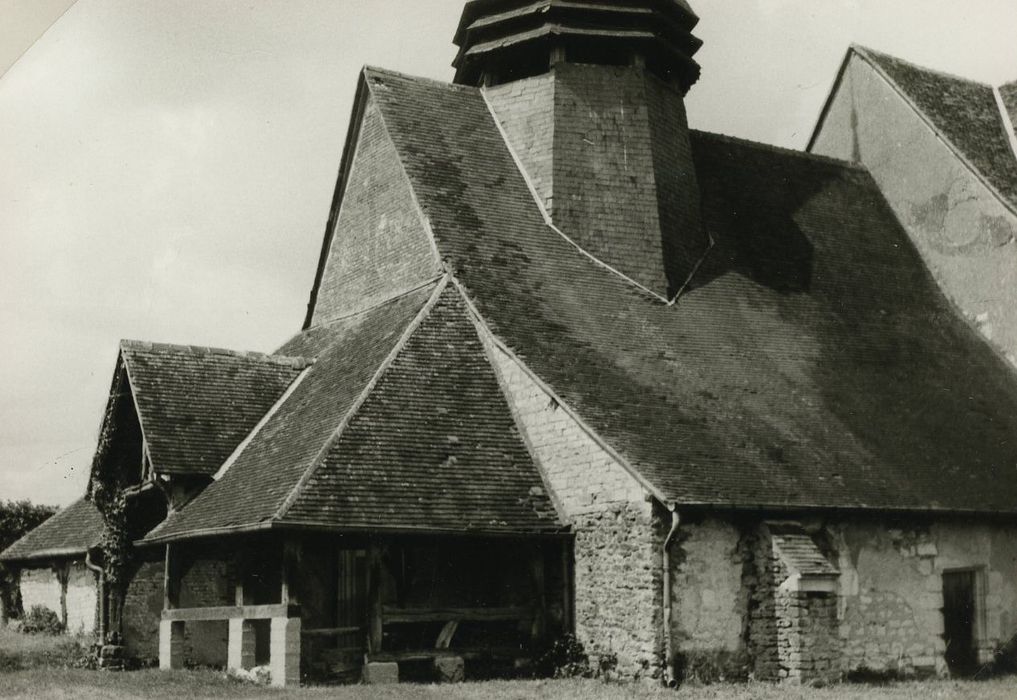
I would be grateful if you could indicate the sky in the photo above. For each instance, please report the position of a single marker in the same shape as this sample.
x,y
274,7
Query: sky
x,y
167,166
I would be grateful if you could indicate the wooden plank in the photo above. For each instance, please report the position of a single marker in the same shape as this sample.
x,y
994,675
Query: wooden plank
x,y
411,615
466,653
331,631
376,612
445,636
540,595
246,612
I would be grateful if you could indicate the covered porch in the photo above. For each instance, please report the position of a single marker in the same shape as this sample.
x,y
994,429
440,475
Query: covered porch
x,y
333,608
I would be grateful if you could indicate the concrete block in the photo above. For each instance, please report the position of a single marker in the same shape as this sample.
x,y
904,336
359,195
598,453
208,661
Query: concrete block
x,y
171,645
284,650
381,673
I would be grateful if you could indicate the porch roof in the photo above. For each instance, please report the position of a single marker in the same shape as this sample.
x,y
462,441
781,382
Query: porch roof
x,y
69,533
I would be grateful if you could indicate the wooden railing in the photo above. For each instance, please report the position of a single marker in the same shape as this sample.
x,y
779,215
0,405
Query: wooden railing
x,y
233,612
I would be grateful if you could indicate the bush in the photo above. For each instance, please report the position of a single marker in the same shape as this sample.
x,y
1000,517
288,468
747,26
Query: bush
x,y
564,658
42,620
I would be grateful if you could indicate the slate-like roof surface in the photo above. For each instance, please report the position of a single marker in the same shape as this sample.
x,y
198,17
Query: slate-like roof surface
x,y
1009,94
799,551
814,363
348,353
70,532
433,447
964,111
197,404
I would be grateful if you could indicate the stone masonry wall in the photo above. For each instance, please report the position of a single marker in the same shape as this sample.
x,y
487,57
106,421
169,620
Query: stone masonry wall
x,y
82,599
964,233
892,589
380,247
143,610
710,600
206,583
618,538
40,587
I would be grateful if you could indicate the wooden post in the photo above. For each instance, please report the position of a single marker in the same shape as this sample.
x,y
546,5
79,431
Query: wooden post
x,y
539,594
290,566
374,609
566,577
171,577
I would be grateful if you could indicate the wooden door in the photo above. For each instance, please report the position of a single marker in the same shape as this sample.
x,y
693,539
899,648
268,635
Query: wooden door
x,y
959,610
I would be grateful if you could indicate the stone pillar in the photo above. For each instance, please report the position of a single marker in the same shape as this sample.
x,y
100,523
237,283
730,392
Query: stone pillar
x,y
171,645
240,653
284,646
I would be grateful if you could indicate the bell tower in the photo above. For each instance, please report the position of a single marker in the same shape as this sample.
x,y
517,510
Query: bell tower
x,y
590,94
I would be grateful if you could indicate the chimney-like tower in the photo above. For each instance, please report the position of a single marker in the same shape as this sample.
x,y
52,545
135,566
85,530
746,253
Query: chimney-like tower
x,y
590,94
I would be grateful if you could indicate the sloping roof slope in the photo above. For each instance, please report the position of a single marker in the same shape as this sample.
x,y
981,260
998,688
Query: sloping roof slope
x,y
255,488
434,446
814,363
197,404
964,112
423,441
1009,94
799,550
71,532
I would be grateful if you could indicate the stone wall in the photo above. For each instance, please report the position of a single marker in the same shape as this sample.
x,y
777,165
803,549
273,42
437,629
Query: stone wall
x,y
74,600
379,246
82,599
963,231
892,589
40,587
143,603
618,534
206,583
709,570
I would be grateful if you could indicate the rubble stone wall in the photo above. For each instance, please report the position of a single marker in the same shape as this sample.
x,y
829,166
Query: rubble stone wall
x,y
82,599
40,587
618,533
143,610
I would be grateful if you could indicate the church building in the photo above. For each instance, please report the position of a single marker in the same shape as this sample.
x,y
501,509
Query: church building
x,y
570,367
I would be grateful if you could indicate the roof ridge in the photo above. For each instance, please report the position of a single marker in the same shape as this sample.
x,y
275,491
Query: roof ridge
x,y
866,51
369,70
385,302
805,155
201,350
932,122
319,458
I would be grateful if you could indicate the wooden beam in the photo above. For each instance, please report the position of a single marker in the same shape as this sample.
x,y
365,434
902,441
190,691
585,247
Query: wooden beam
x,y
240,612
566,577
412,615
171,577
375,612
290,565
539,594
331,631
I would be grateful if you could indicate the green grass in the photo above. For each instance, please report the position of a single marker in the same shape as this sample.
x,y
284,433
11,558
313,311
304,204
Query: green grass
x,y
89,685
30,651
41,669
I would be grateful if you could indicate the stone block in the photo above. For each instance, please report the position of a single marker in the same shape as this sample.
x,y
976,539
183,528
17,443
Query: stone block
x,y
284,652
450,669
171,645
381,673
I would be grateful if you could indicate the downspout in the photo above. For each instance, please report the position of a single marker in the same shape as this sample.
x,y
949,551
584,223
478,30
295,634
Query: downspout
x,y
102,594
669,679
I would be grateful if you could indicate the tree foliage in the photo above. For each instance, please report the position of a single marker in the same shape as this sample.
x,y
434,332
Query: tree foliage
x,y
17,518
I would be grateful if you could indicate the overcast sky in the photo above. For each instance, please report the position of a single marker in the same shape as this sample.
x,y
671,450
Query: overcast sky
x,y
166,166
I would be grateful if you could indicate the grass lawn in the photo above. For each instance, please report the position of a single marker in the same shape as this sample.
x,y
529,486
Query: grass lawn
x,y
39,667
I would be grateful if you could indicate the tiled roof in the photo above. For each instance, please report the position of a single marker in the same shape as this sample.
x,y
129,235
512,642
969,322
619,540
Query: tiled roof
x,y
425,442
814,362
1009,94
197,404
963,111
255,488
433,447
71,532
799,550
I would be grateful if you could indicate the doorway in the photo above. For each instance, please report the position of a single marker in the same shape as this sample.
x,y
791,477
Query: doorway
x,y
960,612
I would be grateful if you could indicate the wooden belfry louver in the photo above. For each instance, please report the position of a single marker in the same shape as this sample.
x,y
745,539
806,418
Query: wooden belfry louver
x,y
500,40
